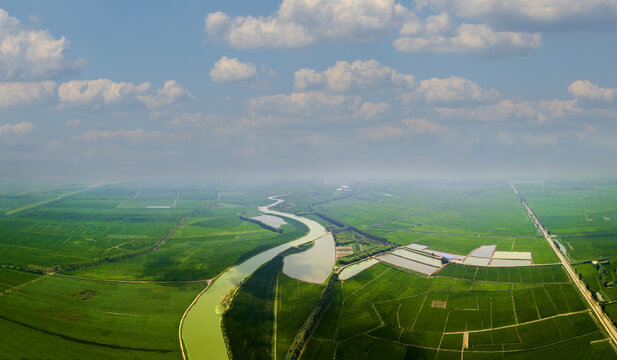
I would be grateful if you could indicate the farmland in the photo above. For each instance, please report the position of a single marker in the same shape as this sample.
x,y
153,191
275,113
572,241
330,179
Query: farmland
x,y
386,313
210,241
130,306
268,305
106,319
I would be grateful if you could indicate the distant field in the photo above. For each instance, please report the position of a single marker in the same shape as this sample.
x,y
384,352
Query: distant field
x,y
66,317
387,314
10,278
86,226
212,240
485,210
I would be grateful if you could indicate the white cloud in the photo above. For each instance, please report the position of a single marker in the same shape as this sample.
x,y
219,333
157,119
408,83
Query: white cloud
x,y
534,15
104,92
478,39
451,89
25,93
19,129
231,69
406,128
358,75
137,135
422,126
507,110
170,93
306,103
370,110
28,54
585,89
299,23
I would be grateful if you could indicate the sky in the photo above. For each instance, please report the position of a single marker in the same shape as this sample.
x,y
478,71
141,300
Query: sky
x,y
308,88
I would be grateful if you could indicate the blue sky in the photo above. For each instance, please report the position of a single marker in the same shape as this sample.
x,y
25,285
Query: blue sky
x,y
296,87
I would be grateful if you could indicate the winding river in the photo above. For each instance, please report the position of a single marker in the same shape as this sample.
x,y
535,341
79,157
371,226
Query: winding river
x,y
201,325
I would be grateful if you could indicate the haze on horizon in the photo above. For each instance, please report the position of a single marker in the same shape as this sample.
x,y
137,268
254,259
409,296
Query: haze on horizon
x,y
296,88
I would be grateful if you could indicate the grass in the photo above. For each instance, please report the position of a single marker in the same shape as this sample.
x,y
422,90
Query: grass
x,y
107,318
384,313
249,323
295,301
212,240
10,278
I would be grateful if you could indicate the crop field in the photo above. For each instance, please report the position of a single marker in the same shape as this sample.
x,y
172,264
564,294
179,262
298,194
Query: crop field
x,y
10,278
249,323
390,314
295,300
600,278
58,315
525,275
86,226
211,240
583,215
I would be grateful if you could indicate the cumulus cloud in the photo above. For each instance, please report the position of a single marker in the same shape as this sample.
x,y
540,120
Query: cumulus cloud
x,y
137,135
25,93
406,128
170,93
19,129
534,15
299,23
478,39
306,103
508,110
358,75
31,54
231,69
585,89
104,92
370,110
451,89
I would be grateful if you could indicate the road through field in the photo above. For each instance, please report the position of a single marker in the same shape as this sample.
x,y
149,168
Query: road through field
x,y
201,334
597,310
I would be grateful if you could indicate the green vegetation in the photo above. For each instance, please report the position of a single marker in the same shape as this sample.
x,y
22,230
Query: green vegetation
x,y
108,319
524,275
212,240
295,300
362,245
10,278
600,277
249,323
384,313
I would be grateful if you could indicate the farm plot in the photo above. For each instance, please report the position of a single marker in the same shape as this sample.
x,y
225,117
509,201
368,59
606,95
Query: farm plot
x,y
268,301
77,230
68,318
524,275
10,278
211,240
383,313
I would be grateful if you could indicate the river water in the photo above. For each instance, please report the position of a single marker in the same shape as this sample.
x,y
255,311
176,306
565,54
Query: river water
x,y
201,329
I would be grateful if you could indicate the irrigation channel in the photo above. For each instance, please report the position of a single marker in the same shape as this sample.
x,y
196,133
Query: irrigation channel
x,y
200,328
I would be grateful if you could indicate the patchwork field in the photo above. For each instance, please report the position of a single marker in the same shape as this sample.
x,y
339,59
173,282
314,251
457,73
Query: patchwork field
x,y
210,241
69,318
390,314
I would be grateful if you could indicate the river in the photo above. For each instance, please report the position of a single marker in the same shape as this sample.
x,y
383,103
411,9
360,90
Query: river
x,y
201,327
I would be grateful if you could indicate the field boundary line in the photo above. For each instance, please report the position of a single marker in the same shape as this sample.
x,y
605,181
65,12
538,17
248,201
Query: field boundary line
x,y
523,323
20,286
484,351
131,281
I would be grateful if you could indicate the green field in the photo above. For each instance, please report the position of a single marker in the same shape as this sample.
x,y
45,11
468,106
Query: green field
x,y
107,318
10,278
295,300
389,314
212,240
